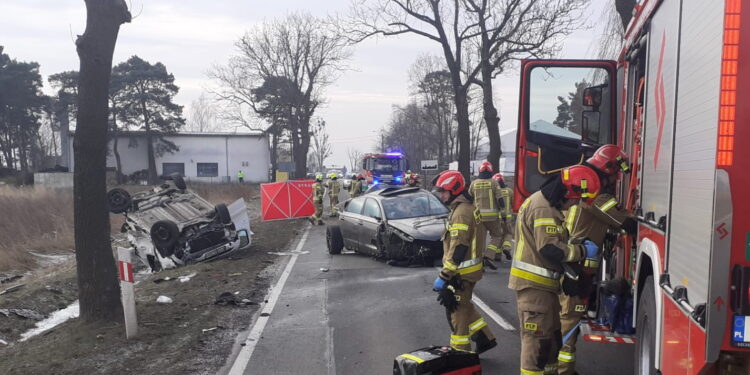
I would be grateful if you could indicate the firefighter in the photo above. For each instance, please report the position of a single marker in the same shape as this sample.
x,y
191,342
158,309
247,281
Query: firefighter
x,y
412,179
542,253
241,176
505,204
463,244
355,189
592,222
486,193
334,188
318,190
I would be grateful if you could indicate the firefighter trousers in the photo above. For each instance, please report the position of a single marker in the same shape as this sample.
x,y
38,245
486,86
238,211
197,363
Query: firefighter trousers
x,y
317,217
572,310
539,316
496,231
466,321
334,201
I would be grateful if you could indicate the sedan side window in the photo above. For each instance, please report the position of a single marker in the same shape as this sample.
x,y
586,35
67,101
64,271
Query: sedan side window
x,y
372,209
355,205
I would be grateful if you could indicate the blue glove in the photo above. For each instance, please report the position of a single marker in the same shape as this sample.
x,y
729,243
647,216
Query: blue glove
x,y
592,250
439,284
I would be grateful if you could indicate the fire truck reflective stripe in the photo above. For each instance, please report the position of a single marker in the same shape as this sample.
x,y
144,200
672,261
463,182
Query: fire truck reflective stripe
x,y
462,227
609,339
566,357
531,372
544,221
609,204
411,357
476,326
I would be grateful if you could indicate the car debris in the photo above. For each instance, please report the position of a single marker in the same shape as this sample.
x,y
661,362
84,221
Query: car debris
x,y
163,299
400,224
186,278
3,342
10,279
23,313
171,226
12,289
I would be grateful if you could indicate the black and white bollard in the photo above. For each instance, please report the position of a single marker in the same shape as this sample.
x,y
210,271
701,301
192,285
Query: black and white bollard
x,y
125,264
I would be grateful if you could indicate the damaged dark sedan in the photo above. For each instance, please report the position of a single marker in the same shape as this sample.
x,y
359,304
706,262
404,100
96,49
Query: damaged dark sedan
x,y
396,223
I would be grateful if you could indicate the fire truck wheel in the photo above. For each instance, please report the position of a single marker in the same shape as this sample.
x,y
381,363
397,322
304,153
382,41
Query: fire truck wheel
x,y
646,330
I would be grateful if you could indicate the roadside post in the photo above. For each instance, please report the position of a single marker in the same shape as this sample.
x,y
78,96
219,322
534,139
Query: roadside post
x,y
125,265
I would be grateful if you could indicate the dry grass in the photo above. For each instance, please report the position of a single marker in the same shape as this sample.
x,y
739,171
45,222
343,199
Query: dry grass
x,y
33,220
224,193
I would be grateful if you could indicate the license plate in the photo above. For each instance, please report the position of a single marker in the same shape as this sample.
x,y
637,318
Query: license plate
x,y
741,331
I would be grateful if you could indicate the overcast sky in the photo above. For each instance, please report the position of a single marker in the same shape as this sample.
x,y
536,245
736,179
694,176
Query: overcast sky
x,y
189,36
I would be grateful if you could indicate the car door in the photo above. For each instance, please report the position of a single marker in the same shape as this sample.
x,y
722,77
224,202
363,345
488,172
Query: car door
x,y
350,222
372,217
568,109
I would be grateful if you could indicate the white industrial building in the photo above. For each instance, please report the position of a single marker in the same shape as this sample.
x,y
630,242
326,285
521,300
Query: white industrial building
x,y
205,157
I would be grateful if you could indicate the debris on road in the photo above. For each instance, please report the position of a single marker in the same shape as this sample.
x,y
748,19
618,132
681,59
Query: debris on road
x,y
209,329
163,279
12,289
23,313
163,299
10,279
3,342
225,299
184,279
324,270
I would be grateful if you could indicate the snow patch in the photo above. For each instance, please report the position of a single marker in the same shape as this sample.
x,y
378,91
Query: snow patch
x,y
163,299
58,317
184,279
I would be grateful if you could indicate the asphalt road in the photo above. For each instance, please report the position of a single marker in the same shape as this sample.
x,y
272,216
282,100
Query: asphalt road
x,y
349,314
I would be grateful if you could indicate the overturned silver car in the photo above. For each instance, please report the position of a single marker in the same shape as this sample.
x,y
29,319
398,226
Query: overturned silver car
x,y
171,226
401,224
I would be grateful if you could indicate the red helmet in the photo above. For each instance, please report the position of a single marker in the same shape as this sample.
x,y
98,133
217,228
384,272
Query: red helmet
x,y
609,159
360,176
485,166
498,178
452,181
581,182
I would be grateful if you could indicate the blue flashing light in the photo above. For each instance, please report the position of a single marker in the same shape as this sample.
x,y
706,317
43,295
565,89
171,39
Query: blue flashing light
x,y
374,181
398,179
394,154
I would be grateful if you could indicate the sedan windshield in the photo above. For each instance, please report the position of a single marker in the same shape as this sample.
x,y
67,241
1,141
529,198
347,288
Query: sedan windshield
x,y
413,205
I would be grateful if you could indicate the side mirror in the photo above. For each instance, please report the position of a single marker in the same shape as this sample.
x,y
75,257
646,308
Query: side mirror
x,y
590,123
592,97
378,218
244,238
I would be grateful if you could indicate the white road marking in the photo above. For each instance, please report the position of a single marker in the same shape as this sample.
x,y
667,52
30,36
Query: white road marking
x,y
504,324
256,331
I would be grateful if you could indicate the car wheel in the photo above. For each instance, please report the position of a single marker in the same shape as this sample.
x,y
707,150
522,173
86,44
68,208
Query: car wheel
x,y
164,235
118,200
334,240
645,354
179,181
222,214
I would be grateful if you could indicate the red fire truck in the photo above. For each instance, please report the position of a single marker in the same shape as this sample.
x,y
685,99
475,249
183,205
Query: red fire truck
x,y
673,101
386,168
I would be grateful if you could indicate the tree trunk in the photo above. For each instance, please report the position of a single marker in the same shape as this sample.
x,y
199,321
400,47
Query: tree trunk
x,y
275,152
300,165
625,10
490,116
153,178
464,132
98,287
65,137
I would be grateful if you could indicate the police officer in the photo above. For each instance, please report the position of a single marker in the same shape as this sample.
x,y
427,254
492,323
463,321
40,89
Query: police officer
x,y
592,222
463,244
542,251
486,193
318,191
505,204
334,188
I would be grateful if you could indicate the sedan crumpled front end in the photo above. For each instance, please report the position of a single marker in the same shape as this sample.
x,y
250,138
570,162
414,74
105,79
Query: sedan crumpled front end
x,y
415,241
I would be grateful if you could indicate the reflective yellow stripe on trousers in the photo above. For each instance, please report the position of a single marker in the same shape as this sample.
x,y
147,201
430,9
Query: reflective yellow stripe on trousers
x,y
531,372
566,357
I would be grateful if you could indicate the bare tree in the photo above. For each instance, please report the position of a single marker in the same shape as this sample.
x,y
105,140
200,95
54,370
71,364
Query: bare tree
x,y
514,29
625,11
610,41
300,48
355,156
443,22
98,288
202,117
321,145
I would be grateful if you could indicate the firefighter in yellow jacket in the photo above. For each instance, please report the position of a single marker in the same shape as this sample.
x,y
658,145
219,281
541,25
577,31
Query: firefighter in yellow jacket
x,y
505,204
334,188
486,193
463,247
541,255
318,191
355,189
592,222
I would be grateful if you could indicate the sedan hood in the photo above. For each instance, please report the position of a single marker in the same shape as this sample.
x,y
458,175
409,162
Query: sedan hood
x,y
421,228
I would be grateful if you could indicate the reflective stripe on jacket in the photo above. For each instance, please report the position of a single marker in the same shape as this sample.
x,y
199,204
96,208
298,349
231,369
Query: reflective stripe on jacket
x,y
539,224
461,229
506,210
318,191
485,193
334,188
